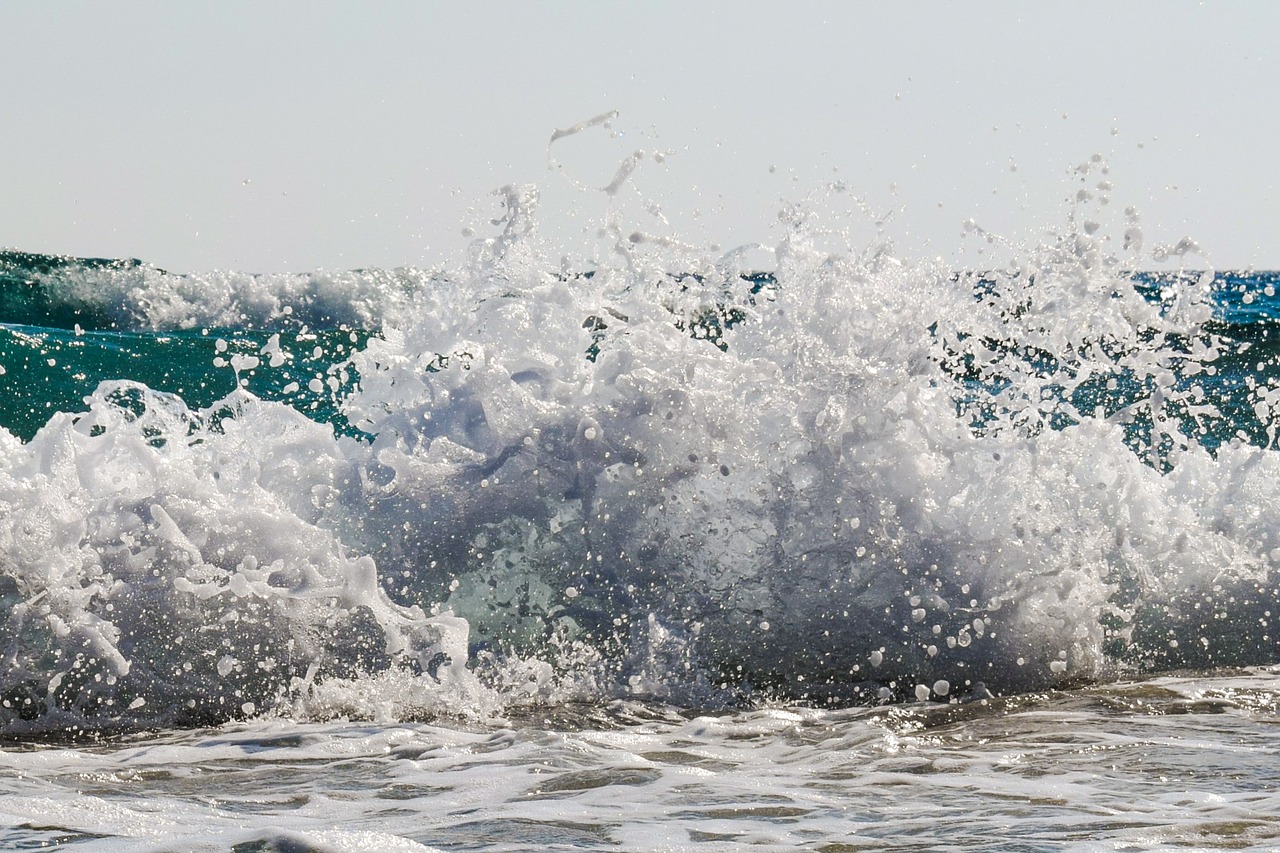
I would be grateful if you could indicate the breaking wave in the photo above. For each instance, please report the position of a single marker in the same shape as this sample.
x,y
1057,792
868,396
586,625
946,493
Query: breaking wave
x,y
849,478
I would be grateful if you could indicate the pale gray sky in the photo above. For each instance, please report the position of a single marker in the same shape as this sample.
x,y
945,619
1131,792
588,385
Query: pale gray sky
x,y
272,136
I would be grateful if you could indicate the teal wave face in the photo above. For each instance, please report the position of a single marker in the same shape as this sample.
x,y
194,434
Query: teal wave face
x,y
51,370
68,324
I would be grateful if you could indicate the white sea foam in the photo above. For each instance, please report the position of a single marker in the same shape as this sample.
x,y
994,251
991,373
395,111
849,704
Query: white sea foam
x,y
160,570
1162,765
667,479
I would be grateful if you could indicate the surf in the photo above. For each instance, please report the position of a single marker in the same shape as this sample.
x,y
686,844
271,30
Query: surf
x,y
674,473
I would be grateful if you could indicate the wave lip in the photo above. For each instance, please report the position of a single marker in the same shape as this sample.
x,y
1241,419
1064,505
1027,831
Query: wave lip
x,y
64,292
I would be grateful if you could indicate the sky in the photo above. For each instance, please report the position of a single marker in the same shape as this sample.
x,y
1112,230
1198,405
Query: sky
x,y
287,136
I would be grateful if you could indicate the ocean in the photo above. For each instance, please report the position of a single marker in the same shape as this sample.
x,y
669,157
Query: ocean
x,y
806,546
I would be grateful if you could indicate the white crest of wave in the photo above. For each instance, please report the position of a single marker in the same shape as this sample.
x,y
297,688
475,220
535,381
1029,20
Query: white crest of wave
x,y
668,478
144,298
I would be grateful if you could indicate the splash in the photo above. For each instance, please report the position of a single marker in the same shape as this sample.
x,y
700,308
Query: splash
x,y
849,478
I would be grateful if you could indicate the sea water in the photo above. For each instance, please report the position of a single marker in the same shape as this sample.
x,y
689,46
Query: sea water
x,y
805,545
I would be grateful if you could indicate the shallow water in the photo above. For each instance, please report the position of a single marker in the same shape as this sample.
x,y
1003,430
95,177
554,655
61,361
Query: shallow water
x,y
1174,763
